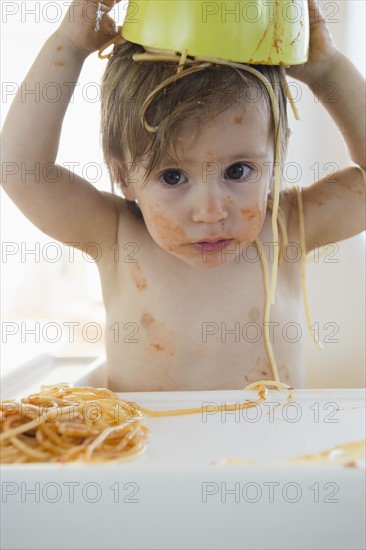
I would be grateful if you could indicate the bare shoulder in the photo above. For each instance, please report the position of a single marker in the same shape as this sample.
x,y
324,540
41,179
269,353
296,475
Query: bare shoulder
x,y
130,222
115,222
333,208
128,212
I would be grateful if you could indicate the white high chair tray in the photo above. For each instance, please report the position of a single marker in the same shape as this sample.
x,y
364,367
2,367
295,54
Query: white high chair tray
x,y
211,480
48,369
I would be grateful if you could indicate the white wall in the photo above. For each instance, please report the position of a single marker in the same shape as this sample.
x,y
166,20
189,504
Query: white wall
x,y
70,290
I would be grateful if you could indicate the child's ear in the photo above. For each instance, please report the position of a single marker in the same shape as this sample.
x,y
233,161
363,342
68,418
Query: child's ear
x,y
121,178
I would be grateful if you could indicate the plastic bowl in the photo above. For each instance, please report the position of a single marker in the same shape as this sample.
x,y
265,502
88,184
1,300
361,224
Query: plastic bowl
x,y
268,32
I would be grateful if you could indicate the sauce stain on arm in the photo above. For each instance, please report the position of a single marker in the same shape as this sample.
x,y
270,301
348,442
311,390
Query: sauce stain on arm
x,y
138,277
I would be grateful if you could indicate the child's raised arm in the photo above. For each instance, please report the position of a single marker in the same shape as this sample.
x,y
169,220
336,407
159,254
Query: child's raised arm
x,y
60,203
334,208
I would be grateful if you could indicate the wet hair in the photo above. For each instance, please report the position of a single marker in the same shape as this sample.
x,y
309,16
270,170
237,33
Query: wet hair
x,y
192,100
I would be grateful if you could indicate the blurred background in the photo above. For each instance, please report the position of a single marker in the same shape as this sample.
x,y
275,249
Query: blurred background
x,y
50,294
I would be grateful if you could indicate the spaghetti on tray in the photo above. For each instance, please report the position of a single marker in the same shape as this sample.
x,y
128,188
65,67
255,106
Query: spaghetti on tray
x,y
64,424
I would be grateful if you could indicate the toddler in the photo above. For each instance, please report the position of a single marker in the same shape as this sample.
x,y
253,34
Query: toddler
x,y
188,237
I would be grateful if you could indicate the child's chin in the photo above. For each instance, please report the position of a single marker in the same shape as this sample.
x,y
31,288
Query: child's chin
x,y
202,261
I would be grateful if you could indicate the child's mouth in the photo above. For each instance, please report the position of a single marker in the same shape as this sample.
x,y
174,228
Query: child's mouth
x,y
211,246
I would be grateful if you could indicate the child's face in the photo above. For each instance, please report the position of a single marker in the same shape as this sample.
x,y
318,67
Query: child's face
x,y
205,209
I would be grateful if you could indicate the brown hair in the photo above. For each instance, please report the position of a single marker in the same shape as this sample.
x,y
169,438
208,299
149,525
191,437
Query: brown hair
x,y
127,83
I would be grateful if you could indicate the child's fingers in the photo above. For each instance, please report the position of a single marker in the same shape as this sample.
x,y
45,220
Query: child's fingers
x,y
107,5
88,24
109,26
104,6
315,13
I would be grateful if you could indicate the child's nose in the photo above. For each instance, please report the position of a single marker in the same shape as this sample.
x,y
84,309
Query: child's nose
x,y
209,208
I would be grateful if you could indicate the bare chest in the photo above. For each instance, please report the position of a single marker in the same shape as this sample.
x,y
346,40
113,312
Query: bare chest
x,y
174,327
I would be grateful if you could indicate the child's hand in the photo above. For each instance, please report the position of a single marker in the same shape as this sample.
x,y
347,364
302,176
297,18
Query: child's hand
x,y
322,49
88,26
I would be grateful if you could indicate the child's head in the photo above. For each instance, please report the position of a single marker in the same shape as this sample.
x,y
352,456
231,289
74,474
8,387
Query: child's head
x,y
208,116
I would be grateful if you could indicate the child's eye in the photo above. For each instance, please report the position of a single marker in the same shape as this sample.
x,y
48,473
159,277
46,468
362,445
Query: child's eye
x,y
239,171
172,178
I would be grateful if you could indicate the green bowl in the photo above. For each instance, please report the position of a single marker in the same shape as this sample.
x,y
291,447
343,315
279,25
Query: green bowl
x,y
268,32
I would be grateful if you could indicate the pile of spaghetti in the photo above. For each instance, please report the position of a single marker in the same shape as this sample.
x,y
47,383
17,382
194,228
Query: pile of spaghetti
x,y
64,424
